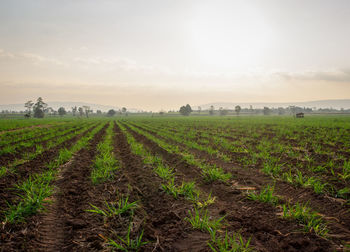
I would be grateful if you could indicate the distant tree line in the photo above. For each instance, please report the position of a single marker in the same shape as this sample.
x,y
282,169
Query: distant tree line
x,y
39,109
237,110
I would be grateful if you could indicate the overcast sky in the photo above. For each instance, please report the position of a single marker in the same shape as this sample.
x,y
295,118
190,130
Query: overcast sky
x,y
161,54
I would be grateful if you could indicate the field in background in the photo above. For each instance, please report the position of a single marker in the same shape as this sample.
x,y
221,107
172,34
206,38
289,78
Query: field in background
x,y
265,183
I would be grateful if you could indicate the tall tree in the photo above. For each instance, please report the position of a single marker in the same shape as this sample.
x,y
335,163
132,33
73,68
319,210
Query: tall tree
x,y
238,109
74,110
29,105
185,110
111,112
39,108
266,110
62,111
81,111
87,111
223,111
211,110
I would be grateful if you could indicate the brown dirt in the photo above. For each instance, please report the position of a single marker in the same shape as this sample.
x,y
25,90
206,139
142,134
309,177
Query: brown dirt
x,y
57,229
22,172
163,216
334,210
256,220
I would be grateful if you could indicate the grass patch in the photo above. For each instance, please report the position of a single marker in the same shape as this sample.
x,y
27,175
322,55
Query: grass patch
x,y
266,195
199,219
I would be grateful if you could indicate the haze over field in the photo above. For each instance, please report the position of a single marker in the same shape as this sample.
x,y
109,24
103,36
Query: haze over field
x,y
162,54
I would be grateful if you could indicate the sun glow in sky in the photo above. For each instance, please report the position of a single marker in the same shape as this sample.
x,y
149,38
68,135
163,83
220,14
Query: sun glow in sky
x,y
161,54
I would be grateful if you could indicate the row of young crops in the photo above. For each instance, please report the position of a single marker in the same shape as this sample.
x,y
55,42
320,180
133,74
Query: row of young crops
x,y
177,185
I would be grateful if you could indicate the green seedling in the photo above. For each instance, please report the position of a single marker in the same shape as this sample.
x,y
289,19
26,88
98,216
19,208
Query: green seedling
x,y
212,174
33,193
311,220
115,209
186,189
233,243
207,202
346,171
200,219
164,172
266,195
128,244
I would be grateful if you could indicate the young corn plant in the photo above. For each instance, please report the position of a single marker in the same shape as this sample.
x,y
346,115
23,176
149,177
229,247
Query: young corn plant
x,y
3,171
311,220
266,195
210,200
186,189
105,163
233,243
33,193
212,174
343,193
127,243
272,168
115,209
345,175
164,171
200,219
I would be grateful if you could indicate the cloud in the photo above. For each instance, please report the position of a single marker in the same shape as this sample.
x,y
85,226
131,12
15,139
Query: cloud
x,y
123,64
34,58
338,75
116,65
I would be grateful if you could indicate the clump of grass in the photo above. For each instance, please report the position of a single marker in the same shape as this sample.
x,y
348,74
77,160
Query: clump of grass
x,y
3,171
272,168
346,171
343,193
115,209
233,243
164,172
304,181
212,174
200,219
186,189
266,195
206,202
127,243
33,193
105,163
311,220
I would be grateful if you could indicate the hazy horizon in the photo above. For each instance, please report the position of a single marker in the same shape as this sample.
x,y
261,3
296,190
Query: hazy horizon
x,y
162,54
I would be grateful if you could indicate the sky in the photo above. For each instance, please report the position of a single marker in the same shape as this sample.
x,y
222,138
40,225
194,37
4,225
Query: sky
x,y
161,54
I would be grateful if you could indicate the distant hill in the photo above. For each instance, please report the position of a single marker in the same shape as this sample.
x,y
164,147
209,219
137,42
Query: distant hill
x,y
336,104
67,105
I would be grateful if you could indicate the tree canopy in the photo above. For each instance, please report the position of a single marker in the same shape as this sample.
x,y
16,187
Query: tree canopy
x,y
186,110
111,112
39,108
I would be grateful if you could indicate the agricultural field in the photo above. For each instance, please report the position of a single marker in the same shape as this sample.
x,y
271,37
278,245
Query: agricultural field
x,y
260,183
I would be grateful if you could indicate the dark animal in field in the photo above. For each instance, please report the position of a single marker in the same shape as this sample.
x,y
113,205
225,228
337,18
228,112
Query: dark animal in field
x,y
27,115
299,115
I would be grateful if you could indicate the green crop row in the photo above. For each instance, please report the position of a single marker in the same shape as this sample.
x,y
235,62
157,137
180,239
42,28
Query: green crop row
x,y
34,191
105,163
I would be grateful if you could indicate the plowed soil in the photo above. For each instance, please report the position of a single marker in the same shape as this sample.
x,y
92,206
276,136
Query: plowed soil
x,y
334,211
22,172
66,225
58,227
257,220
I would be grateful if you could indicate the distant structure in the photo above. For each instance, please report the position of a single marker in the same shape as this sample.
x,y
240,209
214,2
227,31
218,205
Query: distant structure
x,y
299,115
